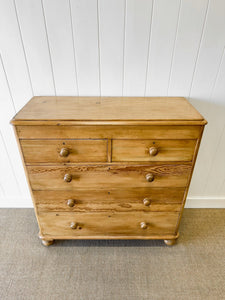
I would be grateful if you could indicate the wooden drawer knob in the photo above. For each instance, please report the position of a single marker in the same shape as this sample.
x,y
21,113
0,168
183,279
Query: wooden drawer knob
x,y
143,225
73,225
153,151
149,177
68,177
71,202
64,152
147,201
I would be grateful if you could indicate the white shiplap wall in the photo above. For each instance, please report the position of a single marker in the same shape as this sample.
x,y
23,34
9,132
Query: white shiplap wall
x,y
115,48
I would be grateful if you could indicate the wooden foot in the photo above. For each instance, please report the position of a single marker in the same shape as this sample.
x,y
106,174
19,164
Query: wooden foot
x,y
170,242
47,242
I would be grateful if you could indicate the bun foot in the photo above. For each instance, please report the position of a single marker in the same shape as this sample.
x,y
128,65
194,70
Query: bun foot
x,y
170,242
47,242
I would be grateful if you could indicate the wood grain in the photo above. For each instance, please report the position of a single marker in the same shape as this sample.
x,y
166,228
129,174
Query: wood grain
x,y
48,151
108,108
138,150
115,200
51,177
108,224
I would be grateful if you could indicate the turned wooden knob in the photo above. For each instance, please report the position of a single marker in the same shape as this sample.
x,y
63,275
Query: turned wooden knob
x,y
64,152
149,177
67,177
73,225
153,151
147,201
143,225
71,202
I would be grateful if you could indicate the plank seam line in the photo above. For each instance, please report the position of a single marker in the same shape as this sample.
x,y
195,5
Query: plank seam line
x,y
24,52
49,51
74,51
10,163
149,43
124,39
217,75
7,81
223,131
199,48
174,45
99,51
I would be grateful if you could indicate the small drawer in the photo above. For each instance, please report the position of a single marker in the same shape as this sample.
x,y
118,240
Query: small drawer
x,y
117,200
139,224
64,151
101,177
152,150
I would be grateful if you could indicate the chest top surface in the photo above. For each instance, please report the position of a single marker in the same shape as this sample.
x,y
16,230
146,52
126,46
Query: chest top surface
x,y
152,110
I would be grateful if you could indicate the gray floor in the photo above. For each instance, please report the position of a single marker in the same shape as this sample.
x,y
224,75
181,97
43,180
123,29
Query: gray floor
x,y
83,270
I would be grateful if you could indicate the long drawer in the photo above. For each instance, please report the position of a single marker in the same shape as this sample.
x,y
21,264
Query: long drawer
x,y
64,151
101,177
108,224
115,200
152,150
109,131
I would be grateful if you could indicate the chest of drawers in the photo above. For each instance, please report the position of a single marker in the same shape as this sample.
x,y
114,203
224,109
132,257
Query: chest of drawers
x,y
108,167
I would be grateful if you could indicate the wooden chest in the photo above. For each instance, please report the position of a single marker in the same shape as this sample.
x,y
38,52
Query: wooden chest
x,y
108,167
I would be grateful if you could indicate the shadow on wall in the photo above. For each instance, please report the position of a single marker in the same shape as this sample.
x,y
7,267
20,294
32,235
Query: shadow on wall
x,y
209,175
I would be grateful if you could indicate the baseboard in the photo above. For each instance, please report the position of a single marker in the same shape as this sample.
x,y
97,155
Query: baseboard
x,y
205,202
192,202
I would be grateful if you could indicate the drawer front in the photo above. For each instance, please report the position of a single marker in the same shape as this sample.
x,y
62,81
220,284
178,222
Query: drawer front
x,y
65,151
108,131
152,150
108,224
115,200
99,177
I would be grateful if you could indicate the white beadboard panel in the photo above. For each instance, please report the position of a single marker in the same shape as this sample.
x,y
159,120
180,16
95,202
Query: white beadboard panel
x,y
189,33
32,23
9,185
2,194
12,52
217,169
217,163
7,111
218,91
204,79
222,188
137,38
86,40
161,46
111,41
211,50
214,114
58,23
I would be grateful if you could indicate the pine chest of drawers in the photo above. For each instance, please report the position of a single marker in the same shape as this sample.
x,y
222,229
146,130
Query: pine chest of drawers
x,y
108,167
